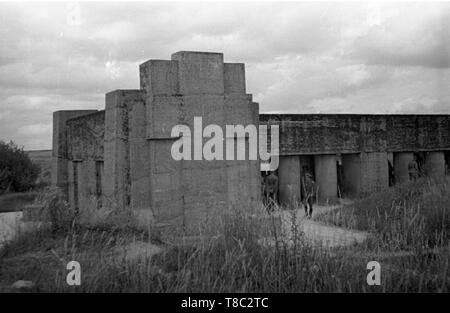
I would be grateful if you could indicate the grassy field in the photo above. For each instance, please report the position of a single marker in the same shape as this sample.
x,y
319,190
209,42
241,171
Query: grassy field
x,y
236,261
43,158
16,201
410,215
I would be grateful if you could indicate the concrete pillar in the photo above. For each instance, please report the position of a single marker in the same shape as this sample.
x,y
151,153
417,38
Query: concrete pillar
x,y
159,190
326,177
447,162
289,178
196,84
374,172
139,158
390,157
117,180
401,161
234,78
200,72
60,174
435,164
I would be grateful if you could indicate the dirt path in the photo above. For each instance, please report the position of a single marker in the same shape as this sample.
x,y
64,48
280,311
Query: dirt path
x,y
318,232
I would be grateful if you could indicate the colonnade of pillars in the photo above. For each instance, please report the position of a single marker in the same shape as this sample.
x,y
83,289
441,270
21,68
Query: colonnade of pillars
x,y
350,174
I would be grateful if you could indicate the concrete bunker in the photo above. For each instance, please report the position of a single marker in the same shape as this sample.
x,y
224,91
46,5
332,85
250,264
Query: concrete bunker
x,y
120,157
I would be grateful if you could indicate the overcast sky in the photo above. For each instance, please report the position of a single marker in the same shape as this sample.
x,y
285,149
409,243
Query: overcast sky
x,y
300,57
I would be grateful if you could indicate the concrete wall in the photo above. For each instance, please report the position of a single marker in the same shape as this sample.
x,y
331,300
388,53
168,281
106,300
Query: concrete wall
x,y
86,136
374,172
351,133
85,147
139,160
435,164
117,181
60,146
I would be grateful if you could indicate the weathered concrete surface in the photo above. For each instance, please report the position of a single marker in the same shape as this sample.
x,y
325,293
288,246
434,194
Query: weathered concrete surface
x,y
121,157
200,72
194,84
86,136
435,164
353,133
9,226
234,78
85,150
326,177
374,172
60,146
401,161
289,181
117,181
139,156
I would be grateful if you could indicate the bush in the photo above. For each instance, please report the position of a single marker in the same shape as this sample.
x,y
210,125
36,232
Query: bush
x,y
17,172
54,208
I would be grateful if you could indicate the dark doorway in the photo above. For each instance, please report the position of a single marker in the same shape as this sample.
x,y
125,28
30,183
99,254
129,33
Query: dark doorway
x,y
349,175
340,177
447,162
76,167
391,174
98,182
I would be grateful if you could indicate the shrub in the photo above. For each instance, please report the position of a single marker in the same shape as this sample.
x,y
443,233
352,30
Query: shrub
x,y
54,208
17,172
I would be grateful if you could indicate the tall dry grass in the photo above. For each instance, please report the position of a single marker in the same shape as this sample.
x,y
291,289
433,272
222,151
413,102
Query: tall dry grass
x,y
235,259
413,215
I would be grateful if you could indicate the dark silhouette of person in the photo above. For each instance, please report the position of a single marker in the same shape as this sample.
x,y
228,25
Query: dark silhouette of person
x,y
413,169
271,188
391,174
308,193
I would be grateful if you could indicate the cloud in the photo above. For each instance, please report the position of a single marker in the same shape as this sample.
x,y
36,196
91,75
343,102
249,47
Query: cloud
x,y
35,129
300,57
416,36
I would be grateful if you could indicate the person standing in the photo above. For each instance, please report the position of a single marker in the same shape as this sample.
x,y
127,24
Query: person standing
x,y
413,169
308,193
271,188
